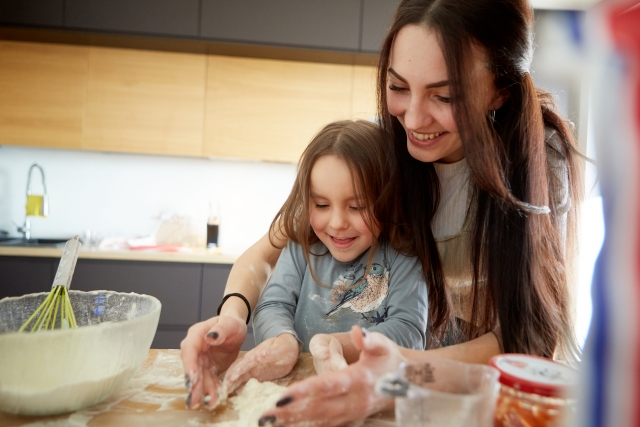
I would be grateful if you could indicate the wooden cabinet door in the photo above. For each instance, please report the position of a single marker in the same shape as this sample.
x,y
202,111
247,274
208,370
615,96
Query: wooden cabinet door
x,y
42,94
364,92
270,109
145,101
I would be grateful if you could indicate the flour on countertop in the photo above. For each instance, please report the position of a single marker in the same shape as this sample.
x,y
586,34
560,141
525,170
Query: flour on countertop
x,y
254,399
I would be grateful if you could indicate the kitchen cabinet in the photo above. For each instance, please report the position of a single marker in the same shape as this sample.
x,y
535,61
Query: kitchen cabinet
x,y
270,109
152,102
330,25
377,17
153,17
176,285
43,91
364,104
26,275
145,101
189,292
325,24
48,13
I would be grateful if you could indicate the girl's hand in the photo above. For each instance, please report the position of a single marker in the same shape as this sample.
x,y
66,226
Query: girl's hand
x,y
327,353
209,349
340,397
271,359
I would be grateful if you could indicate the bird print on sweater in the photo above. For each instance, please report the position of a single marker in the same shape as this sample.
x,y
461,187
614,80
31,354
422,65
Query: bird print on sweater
x,y
367,295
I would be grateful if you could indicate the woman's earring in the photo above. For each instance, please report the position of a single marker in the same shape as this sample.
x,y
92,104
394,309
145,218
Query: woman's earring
x,y
492,114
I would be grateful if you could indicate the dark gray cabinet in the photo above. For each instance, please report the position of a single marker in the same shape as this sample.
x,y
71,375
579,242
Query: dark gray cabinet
x,y
329,25
326,24
377,16
189,292
176,285
155,17
48,13
26,275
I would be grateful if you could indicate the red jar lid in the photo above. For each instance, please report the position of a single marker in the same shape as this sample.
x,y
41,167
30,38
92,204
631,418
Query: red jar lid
x,y
533,374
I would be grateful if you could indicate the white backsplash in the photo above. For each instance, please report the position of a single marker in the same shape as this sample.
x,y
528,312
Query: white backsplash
x,y
114,194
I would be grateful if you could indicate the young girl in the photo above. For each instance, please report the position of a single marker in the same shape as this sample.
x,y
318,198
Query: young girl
x,y
337,270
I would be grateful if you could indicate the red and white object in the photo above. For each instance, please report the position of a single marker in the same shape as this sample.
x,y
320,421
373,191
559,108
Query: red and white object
x,y
535,392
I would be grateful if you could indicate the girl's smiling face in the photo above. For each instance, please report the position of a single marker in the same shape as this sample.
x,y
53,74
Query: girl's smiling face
x,y
418,94
335,212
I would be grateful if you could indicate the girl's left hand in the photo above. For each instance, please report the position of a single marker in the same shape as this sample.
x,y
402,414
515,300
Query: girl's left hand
x,y
271,359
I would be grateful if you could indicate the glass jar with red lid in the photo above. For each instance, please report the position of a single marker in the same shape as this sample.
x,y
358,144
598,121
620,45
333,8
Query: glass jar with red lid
x,y
535,391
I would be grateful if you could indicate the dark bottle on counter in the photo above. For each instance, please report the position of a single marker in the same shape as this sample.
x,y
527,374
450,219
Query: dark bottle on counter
x,y
213,226
212,235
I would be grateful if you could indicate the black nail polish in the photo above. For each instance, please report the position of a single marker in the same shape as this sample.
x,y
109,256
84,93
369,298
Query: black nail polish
x,y
364,332
213,335
189,401
269,419
284,401
187,382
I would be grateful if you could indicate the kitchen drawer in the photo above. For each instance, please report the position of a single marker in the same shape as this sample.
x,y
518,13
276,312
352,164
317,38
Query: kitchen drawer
x,y
26,275
176,285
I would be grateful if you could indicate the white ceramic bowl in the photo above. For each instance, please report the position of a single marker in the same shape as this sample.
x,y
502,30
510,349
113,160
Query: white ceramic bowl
x,y
62,370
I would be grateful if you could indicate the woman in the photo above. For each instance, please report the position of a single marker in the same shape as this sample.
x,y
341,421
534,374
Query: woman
x,y
489,181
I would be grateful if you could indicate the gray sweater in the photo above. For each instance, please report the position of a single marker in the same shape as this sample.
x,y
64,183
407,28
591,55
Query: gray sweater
x,y
392,300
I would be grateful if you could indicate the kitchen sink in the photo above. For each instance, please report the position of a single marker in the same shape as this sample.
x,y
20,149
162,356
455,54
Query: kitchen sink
x,y
19,241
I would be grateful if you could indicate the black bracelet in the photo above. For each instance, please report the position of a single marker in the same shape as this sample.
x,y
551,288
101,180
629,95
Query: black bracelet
x,y
226,297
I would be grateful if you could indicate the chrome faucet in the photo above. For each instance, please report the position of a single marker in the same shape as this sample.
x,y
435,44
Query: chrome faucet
x,y
41,206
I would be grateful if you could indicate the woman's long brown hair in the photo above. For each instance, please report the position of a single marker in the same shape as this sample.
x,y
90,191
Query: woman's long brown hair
x,y
521,256
368,152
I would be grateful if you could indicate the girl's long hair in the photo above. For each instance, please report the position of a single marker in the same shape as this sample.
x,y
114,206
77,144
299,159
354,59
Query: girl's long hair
x,y
521,256
368,152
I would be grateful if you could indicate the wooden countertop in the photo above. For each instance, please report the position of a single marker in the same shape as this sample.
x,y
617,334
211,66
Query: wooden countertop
x,y
194,255
155,397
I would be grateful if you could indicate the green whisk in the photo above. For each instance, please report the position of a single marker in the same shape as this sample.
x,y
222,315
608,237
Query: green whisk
x,y
56,311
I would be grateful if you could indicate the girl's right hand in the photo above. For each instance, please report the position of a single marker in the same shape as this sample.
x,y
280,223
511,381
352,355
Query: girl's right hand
x,y
340,397
327,353
209,349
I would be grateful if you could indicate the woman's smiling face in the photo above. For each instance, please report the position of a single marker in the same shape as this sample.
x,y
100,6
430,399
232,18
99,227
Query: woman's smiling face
x,y
418,94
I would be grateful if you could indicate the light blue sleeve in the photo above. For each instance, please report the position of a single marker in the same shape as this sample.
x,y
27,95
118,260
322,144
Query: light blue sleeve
x,y
274,315
407,304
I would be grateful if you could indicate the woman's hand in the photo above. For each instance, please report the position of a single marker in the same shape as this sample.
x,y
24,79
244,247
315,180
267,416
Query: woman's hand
x,y
327,353
339,397
271,359
209,349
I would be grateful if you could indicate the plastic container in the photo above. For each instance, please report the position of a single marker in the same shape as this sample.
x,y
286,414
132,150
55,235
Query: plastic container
x,y
535,391
442,393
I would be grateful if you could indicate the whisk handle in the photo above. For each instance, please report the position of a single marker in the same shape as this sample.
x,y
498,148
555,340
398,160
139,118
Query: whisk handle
x,y
67,263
